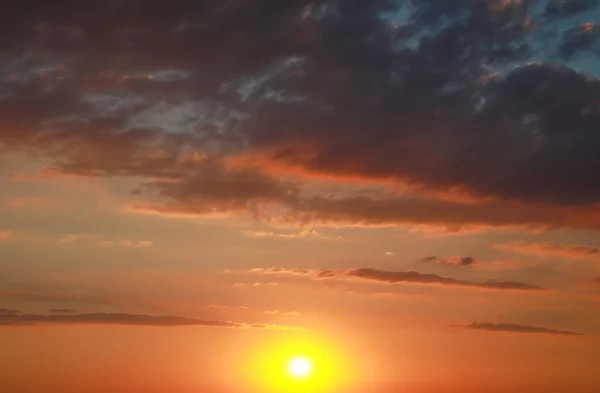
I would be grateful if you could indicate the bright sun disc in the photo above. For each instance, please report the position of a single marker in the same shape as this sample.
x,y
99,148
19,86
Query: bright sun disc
x,y
300,367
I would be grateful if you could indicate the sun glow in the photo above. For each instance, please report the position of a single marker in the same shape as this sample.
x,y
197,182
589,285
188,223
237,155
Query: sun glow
x,y
299,363
300,367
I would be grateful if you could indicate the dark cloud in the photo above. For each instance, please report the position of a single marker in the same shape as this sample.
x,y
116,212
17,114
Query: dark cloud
x,y
61,311
18,319
452,261
511,327
554,249
580,38
478,97
403,210
415,277
568,7
390,277
8,312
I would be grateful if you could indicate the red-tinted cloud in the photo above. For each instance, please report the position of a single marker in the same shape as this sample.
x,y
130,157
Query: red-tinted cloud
x,y
554,249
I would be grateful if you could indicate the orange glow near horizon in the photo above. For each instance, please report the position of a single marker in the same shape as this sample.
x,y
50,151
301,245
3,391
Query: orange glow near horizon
x,y
299,364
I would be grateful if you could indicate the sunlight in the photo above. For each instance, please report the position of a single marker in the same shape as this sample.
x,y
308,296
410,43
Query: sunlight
x,y
300,367
298,364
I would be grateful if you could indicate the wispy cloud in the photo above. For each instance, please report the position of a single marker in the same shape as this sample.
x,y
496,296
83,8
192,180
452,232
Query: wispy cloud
x,y
126,243
451,261
308,233
554,249
8,311
516,328
225,307
75,237
79,237
61,311
278,312
125,319
391,277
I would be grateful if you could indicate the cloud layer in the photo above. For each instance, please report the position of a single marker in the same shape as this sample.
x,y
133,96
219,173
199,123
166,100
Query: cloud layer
x,y
486,111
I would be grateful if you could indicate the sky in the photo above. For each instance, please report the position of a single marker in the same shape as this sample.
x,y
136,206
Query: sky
x,y
403,193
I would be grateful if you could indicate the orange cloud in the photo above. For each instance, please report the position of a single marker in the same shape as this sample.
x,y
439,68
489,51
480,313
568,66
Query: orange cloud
x,y
127,243
554,249
396,277
78,237
307,233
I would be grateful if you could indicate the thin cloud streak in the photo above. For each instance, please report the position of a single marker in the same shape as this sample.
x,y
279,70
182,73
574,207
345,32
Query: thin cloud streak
x,y
516,328
123,319
391,277
554,249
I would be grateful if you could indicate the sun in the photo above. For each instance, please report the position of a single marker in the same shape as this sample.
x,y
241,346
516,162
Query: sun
x,y
300,367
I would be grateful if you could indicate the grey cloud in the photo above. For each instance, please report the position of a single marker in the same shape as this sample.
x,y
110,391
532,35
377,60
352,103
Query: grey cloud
x,y
8,312
452,261
568,7
391,277
511,327
460,94
415,277
19,319
61,311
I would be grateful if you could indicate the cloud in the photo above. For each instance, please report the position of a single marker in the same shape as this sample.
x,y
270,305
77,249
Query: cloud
x,y
283,271
74,237
511,327
415,277
277,312
484,105
127,243
390,277
8,312
224,307
554,249
124,319
308,233
78,237
61,311
452,261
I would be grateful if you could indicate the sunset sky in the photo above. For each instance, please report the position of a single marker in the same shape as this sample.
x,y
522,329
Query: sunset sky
x,y
405,195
